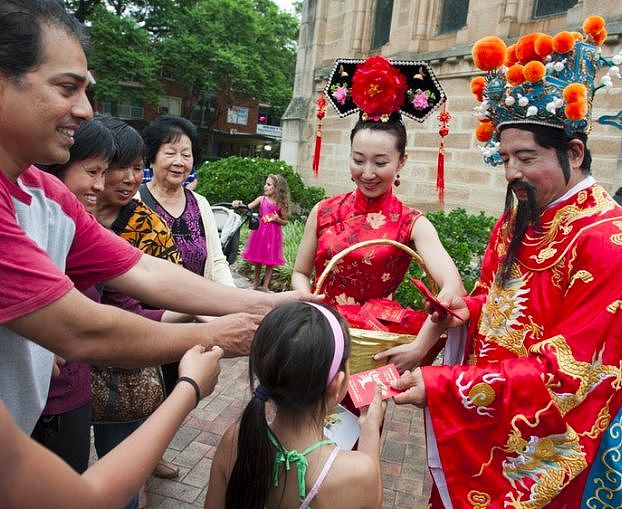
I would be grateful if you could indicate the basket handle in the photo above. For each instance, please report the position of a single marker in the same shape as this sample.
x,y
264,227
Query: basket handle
x,y
341,254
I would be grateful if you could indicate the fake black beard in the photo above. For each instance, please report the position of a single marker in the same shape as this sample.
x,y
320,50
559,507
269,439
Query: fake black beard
x,y
526,214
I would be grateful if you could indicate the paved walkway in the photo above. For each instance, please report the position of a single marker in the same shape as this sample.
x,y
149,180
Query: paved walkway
x,y
406,479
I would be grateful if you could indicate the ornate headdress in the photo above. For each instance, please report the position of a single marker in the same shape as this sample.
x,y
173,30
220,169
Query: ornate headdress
x,y
377,88
542,79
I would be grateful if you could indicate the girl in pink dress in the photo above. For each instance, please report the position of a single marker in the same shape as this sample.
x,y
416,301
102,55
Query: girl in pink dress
x,y
265,245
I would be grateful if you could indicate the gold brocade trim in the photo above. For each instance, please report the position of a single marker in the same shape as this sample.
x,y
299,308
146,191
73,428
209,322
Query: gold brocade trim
x,y
503,313
482,394
611,482
614,306
544,255
600,423
478,499
616,238
561,232
582,275
588,374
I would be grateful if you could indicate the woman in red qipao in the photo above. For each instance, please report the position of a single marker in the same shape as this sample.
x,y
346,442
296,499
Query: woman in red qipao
x,y
372,211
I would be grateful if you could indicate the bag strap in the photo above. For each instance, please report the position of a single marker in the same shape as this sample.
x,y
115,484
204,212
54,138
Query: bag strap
x,y
147,197
119,224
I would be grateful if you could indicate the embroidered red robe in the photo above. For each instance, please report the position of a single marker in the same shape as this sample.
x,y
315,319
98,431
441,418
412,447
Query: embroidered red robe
x,y
519,425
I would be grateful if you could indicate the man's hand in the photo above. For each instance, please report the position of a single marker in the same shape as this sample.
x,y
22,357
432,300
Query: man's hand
x,y
414,389
235,332
202,366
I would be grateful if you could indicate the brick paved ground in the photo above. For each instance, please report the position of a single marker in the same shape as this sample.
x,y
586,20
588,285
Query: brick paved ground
x,y
406,479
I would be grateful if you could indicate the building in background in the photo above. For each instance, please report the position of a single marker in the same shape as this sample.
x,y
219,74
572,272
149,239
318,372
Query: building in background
x,y
441,32
228,124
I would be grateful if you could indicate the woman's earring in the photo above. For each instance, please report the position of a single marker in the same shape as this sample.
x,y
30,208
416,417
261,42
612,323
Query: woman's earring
x,y
397,180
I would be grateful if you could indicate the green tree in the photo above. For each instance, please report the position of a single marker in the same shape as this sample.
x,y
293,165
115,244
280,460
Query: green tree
x,y
122,57
233,46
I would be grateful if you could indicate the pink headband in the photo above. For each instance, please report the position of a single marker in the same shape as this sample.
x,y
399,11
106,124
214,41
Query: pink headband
x,y
337,337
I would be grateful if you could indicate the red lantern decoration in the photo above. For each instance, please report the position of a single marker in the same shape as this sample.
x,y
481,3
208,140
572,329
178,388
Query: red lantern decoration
x,y
321,112
443,117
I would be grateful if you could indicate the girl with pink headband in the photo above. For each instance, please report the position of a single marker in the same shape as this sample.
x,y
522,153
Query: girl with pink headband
x,y
299,359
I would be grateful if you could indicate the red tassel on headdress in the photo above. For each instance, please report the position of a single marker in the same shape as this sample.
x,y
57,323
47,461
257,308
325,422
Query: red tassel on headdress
x,y
444,117
321,106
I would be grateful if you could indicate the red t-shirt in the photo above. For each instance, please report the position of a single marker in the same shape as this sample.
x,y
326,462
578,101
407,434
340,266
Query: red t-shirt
x,y
49,243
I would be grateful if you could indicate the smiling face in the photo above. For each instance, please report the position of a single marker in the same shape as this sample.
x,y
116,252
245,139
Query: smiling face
x,y
268,187
173,162
374,161
526,161
122,184
40,111
85,179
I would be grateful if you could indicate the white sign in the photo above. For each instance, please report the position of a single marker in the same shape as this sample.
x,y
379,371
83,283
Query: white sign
x,y
274,131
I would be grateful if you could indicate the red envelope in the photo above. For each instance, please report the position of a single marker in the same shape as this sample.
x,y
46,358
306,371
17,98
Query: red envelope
x,y
436,304
362,386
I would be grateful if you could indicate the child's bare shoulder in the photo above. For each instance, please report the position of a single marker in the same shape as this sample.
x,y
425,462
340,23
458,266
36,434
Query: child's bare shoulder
x,y
353,478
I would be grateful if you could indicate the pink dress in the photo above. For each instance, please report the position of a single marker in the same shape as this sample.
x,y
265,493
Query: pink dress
x,y
265,245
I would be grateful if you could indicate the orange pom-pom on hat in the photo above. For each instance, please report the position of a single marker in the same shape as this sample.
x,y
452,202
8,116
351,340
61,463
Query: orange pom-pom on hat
x,y
563,42
575,92
578,36
477,87
510,56
534,71
593,24
489,53
543,45
484,131
515,74
576,110
600,37
525,51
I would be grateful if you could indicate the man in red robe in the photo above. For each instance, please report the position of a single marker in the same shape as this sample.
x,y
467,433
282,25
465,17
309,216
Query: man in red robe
x,y
529,416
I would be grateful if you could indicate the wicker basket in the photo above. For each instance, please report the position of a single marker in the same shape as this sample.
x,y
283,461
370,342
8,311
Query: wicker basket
x,y
367,343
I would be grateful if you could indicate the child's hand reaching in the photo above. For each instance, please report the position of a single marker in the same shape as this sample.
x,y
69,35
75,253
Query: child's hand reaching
x,y
372,416
201,365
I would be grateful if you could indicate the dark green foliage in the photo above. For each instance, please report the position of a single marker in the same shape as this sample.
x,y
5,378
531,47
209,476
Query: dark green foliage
x,y
242,178
465,237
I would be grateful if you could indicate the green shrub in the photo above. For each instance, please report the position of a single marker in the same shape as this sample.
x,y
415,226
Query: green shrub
x,y
464,236
242,178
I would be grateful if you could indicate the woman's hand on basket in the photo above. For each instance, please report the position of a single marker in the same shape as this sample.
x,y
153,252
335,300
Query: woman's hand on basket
x,y
403,356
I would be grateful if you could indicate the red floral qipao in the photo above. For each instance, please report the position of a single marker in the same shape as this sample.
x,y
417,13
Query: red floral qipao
x,y
521,424
371,272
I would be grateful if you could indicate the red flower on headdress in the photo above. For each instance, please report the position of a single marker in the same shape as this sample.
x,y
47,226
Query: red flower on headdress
x,y
378,88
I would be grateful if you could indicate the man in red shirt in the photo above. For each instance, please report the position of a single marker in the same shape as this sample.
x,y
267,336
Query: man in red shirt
x,y
50,244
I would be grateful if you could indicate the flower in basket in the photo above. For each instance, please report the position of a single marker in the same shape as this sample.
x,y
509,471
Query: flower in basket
x,y
340,93
420,99
378,88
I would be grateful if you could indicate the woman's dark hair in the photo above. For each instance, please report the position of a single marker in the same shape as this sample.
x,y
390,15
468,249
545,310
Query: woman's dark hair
x,y
291,355
551,137
21,33
167,129
91,139
393,126
129,144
